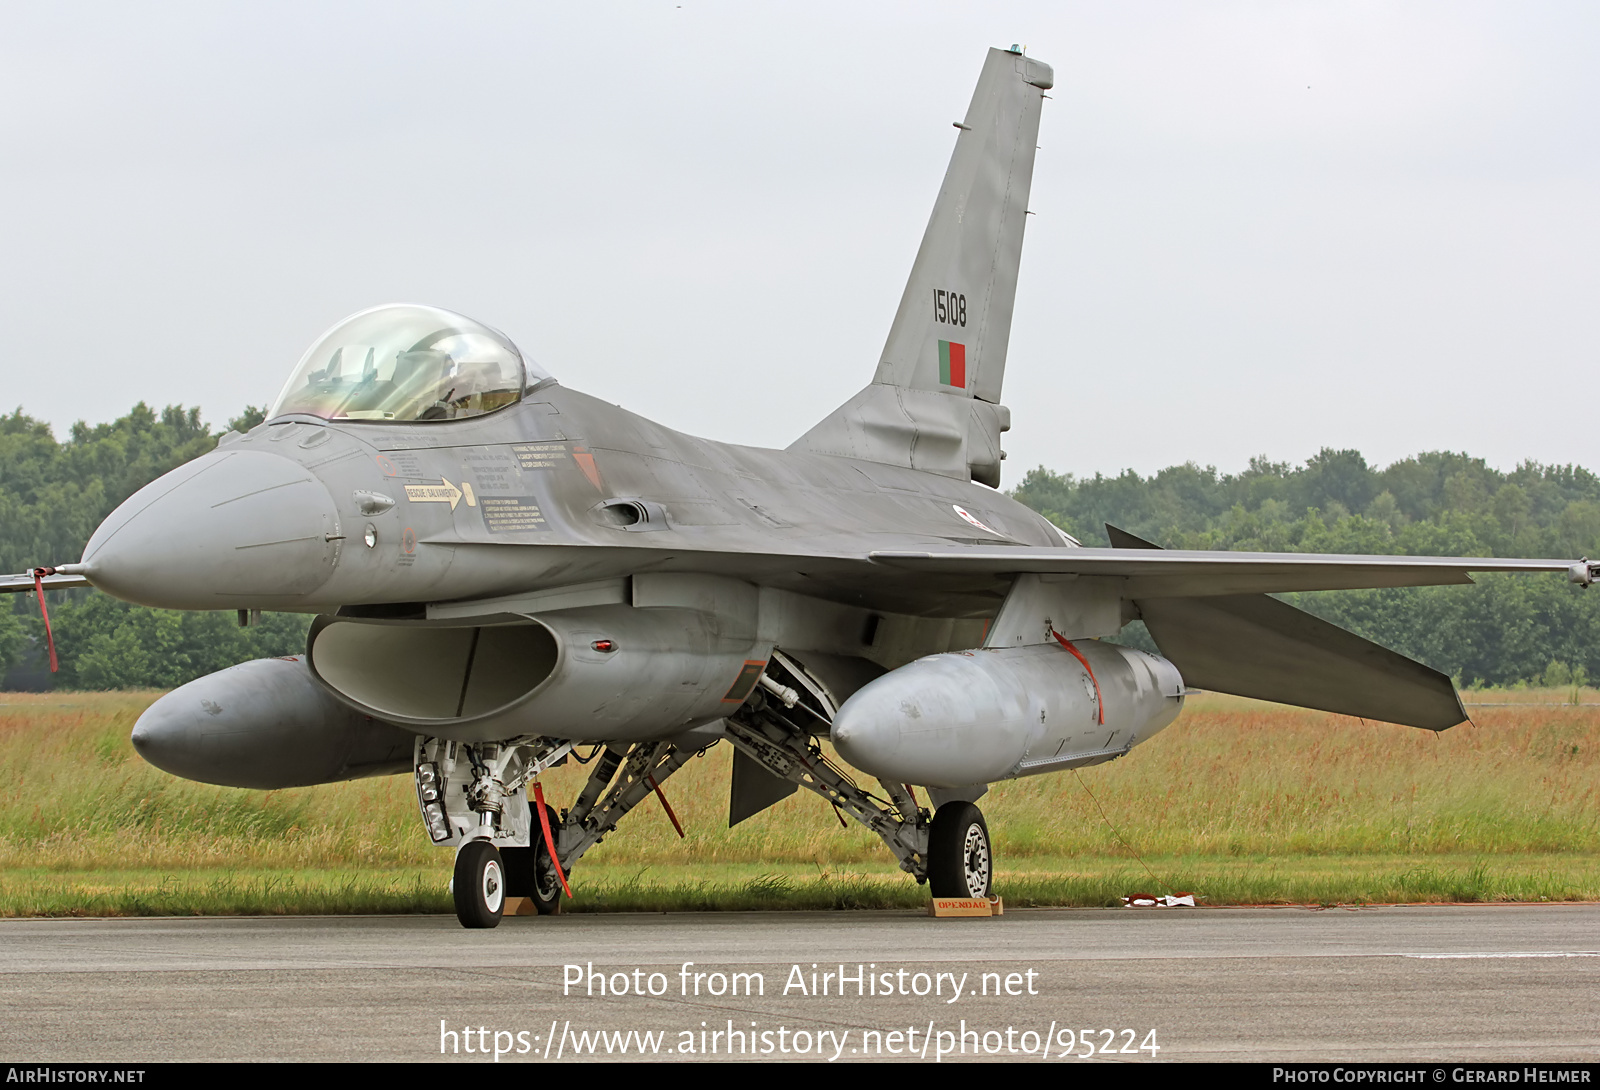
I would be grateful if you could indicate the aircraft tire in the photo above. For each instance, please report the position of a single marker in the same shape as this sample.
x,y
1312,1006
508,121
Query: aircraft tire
x,y
546,884
479,887
960,859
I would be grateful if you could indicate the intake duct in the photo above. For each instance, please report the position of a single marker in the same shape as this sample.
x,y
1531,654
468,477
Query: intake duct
x,y
611,672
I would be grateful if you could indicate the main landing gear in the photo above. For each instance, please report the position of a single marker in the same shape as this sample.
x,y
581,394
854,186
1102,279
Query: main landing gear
x,y
960,862
776,729
531,873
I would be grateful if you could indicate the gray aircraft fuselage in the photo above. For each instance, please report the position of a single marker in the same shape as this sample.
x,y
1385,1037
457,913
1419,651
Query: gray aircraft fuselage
x,y
559,489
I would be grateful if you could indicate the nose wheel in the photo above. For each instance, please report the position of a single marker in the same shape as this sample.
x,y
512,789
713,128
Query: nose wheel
x,y
960,860
480,884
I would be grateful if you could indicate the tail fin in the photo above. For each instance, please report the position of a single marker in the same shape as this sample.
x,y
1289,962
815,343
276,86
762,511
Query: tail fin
x,y
934,403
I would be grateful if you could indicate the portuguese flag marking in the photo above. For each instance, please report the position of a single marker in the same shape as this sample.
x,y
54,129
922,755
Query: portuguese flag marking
x,y
953,364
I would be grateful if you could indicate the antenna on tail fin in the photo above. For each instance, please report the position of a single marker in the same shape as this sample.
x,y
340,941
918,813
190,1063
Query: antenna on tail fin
x,y
934,403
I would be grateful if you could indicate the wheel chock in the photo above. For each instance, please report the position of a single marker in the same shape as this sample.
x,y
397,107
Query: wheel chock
x,y
943,907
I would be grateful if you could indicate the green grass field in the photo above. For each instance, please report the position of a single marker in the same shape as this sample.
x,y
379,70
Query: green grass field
x,y
1238,802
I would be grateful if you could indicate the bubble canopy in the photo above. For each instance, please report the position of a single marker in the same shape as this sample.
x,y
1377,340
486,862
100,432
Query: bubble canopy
x,y
406,363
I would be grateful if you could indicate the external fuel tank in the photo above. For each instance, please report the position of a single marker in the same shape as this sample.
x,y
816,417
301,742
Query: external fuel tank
x,y
974,717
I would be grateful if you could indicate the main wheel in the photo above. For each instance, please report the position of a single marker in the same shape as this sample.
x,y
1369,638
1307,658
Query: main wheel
x,y
529,871
960,862
480,884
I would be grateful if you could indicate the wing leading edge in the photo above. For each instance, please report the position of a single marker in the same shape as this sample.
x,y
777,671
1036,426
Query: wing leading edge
x,y
1176,573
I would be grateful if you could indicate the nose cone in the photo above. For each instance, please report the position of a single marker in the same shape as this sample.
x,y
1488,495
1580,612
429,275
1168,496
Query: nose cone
x,y
230,530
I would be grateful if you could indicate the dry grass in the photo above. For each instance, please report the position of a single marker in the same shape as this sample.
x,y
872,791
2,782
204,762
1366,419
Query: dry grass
x,y
1240,800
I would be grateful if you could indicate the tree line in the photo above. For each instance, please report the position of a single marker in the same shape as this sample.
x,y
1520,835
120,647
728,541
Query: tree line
x,y
53,494
1506,630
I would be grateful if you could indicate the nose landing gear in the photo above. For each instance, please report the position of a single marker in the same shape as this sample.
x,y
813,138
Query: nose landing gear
x,y
479,886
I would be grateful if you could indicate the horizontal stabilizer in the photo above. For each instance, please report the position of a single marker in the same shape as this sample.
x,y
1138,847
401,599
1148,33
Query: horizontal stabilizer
x,y
1255,646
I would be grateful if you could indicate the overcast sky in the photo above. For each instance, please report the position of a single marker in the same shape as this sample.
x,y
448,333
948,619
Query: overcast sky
x,y
1261,228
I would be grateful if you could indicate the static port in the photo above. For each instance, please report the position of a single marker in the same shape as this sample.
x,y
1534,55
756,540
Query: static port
x,y
371,536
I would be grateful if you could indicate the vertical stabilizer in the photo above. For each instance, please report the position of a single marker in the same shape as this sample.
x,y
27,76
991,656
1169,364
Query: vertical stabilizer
x,y
934,403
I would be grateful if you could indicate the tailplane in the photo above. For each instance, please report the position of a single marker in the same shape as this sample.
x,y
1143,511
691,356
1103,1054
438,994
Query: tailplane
x,y
934,403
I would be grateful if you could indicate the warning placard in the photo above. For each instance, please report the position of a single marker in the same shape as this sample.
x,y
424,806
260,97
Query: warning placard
x,y
511,515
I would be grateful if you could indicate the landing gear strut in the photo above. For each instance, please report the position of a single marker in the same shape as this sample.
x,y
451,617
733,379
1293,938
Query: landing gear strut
x,y
476,795
777,734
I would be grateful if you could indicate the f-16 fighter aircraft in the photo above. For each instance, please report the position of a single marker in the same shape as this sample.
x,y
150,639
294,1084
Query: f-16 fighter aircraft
x,y
507,573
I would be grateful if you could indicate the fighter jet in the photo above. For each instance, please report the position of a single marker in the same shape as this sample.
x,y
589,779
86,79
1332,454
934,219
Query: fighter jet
x,y
508,574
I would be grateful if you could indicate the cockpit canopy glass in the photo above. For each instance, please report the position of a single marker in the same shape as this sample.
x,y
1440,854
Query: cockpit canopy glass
x,y
406,363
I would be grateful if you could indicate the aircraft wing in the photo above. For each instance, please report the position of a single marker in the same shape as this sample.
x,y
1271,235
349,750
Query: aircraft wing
x,y
1168,573
1175,573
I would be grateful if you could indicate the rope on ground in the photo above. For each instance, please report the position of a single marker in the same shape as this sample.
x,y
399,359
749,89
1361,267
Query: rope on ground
x,y
1116,833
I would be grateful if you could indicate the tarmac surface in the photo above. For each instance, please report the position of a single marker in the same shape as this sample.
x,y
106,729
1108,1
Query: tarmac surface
x,y
1435,984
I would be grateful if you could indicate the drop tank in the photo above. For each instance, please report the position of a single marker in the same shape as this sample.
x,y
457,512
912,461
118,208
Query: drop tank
x,y
969,717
